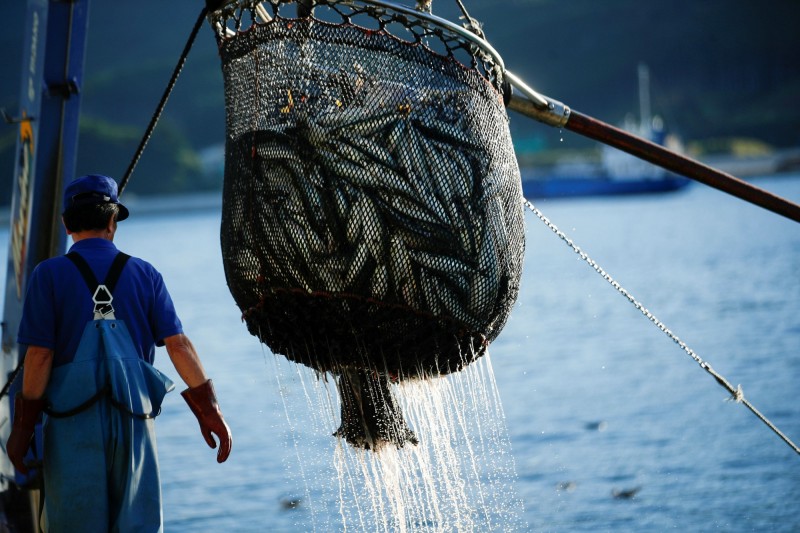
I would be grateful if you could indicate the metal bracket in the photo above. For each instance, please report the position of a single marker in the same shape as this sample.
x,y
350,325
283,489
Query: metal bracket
x,y
64,89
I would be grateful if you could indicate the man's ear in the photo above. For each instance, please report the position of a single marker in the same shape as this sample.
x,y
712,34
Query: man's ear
x,y
65,226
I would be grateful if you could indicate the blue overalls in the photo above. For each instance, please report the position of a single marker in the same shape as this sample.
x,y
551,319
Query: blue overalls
x,y
101,468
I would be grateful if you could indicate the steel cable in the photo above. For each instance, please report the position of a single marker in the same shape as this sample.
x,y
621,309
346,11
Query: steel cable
x,y
737,394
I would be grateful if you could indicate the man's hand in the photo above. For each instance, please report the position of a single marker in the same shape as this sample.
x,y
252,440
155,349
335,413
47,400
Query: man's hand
x,y
26,414
203,403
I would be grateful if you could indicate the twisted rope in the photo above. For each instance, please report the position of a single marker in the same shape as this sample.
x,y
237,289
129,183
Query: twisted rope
x,y
737,394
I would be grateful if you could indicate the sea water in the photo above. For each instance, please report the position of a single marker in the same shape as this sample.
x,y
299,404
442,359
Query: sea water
x,y
581,402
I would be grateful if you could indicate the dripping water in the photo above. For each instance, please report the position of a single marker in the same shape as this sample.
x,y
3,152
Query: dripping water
x,y
460,477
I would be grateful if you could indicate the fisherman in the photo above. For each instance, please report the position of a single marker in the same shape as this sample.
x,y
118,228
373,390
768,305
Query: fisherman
x,y
88,367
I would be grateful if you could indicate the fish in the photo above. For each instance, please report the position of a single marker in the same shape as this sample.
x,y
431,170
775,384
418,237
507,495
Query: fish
x,y
358,265
380,282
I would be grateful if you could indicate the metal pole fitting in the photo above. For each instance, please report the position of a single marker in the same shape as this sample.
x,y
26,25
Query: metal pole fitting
x,y
528,102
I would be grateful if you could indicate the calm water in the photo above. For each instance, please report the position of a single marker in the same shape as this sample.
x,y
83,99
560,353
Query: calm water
x,y
596,399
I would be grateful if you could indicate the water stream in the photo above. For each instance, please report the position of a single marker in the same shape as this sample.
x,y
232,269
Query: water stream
x,y
460,477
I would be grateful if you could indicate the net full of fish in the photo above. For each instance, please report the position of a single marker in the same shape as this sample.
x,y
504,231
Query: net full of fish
x,y
372,218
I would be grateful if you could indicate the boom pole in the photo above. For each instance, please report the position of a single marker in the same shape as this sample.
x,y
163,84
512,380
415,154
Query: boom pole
x,y
528,102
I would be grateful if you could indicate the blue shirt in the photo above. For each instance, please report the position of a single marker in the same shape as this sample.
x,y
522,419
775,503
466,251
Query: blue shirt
x,y
58,303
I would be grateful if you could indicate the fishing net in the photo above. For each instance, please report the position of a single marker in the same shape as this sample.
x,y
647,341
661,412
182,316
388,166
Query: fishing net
x,y
371,204
372,214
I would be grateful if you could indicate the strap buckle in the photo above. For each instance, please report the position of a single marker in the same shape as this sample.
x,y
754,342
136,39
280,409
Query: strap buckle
x,y
103,310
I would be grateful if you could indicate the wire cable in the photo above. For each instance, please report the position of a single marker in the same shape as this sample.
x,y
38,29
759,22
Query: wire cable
x,y
737,394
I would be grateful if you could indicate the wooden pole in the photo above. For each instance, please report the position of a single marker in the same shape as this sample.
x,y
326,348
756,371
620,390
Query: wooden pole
x,y
680,164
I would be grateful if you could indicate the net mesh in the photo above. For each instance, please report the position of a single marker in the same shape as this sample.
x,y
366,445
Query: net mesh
x,y
372,212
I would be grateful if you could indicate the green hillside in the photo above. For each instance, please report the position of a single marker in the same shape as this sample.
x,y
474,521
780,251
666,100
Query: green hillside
x,y
719,69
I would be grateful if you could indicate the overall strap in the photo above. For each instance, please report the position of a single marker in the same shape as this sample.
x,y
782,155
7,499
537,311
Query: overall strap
x,y
105,391
101,292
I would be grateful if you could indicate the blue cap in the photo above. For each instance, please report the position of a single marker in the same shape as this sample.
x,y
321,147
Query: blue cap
x,y
93,189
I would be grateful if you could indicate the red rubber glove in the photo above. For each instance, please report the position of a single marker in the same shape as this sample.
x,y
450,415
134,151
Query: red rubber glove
x,y
203,403
26,414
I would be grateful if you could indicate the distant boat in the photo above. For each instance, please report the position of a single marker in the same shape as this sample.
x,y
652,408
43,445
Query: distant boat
x,y
564,186
617,173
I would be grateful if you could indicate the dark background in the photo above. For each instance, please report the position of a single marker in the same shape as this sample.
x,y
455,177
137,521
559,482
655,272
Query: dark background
x,y
720,70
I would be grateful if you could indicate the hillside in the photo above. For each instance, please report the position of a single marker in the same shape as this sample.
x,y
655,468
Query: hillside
x,y
718,69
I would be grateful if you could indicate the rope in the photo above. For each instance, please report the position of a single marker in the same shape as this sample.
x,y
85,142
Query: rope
x,y
167,91
472,24
737,394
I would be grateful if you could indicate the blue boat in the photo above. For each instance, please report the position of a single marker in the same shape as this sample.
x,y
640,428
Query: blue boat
x,y
593,182
565,187
617,173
